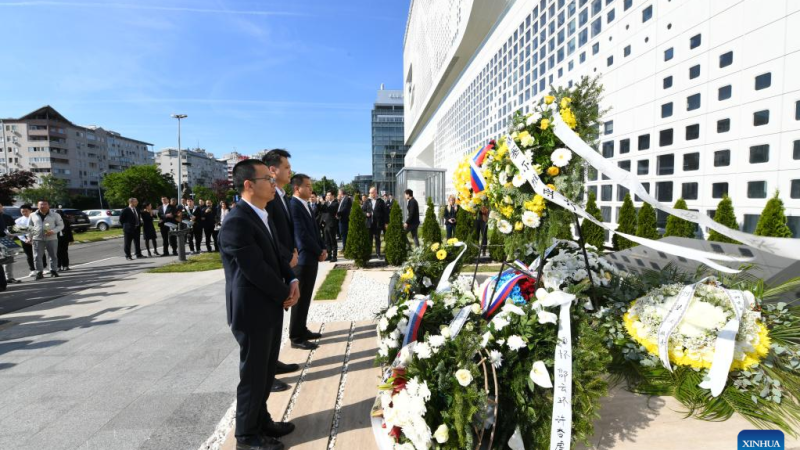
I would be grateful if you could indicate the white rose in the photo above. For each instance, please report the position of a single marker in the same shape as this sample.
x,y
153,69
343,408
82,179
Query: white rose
x,y
442,434
446,332
499,323
464,377
476,308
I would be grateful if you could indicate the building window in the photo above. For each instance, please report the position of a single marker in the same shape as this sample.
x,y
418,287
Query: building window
x,y
605,211
624,146
759,154
691,161
597,26
760,118
693,102
595,48
722,158
668,54
664,191
624,165
610,16
610,60
591,174
666,110
695,41
626,51
606,192
644,142
668,82
723,125
763,81
797,110
643,167
608,127
693,132
665,137
718,190
647,13
665,165
646,187
756,189
608,149
694,72
724,93
622,191
627,4
750,223
796,149
689,191
794,192
725,59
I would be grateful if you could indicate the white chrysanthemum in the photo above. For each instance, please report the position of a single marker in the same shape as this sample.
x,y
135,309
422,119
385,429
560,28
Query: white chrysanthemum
x,y
515,342
561,157
504,226
520,126
383,324
531,220
449,301
391,312
464,377
423,350
496,358
700,318
436,341
517,181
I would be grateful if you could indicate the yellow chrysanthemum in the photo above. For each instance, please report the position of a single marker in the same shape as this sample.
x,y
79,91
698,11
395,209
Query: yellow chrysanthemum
x,y
452,241
568,117
552,186
522,135
502,150
549,99
507,210
441,254
408,274
544,124
434,246
536,205
552,171
518,226
565,102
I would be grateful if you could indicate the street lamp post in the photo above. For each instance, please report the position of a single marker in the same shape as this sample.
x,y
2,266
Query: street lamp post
x,y
180,161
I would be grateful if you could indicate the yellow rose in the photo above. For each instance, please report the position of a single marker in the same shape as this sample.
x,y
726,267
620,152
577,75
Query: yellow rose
x,y
441,254
549,99
518,226
545,123
552,186
522,135
452,241
552,171
435,246
565,102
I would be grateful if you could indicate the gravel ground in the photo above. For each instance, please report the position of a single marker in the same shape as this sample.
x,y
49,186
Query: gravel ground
x,y
365,298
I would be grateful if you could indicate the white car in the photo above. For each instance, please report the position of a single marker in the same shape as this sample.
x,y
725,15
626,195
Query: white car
x,y
103,219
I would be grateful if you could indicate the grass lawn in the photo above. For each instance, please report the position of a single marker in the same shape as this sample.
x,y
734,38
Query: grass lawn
x,y
483,268
96,235
196,263
332,285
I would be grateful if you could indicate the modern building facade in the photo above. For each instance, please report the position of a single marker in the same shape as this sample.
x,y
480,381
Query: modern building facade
x,y
47,143
231,159
200,168
388,142
703,95
362,183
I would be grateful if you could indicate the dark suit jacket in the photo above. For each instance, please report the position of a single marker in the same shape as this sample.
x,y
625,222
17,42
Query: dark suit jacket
x,y
284,227
450,213
413,213
128,220
379,214
66,234
328,213
162,216
343,214
6,221
195,214
256,278
306,234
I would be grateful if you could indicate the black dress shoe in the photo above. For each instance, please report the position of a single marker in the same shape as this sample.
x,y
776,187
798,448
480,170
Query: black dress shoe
x,y
13,280
279,386
311,335
39,275
129,258
140,256
54,275
277,429
286,368
259,443
304,345
164,255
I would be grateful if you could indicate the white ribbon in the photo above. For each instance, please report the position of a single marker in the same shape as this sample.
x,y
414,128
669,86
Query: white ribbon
x,y
726,338
786,247
527,171
444,282
561,420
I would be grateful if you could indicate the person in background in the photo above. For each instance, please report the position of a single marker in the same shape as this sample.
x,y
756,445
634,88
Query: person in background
x,y
331,224
149,229
209,222
201,203
194,214
412,222
27,243
223,211
375,212
450,212
343,215
166,214
482,227
65,239
44,228
131,220
6,223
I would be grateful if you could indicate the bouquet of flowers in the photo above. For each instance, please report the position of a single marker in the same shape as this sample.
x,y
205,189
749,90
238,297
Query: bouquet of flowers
x,y
569,267
424,268
20,229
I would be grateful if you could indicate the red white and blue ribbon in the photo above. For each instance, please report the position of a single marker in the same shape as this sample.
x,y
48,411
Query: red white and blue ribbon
x,y
415,322
490,302
476,176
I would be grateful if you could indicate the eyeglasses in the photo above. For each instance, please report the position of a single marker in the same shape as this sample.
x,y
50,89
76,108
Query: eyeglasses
x,y
270,179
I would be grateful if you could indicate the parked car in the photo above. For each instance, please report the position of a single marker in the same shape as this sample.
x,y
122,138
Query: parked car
x,y
103,219
77,218
13,211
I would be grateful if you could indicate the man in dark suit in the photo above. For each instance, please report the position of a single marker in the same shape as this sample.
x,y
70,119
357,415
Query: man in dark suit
x,y
277,160
311,251
412,222
166,214
331,224
258,287
131,222
343,215
375,210
194,213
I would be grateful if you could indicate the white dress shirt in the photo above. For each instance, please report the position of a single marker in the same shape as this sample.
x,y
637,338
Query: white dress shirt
x,y
263,215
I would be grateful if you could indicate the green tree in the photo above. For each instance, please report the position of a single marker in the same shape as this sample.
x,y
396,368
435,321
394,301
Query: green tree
x,y
773,220
431,232
465,232
396,240
725,216
52,189
592,233
11,183
359,244
144,183
221,187
324,185
626,224
202,192
677,226
646,222
497,248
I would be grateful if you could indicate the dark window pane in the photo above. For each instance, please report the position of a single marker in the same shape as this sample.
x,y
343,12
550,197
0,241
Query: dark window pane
x,y
595,48
610,60
643,167
668,82
608,127
624,146
695,41
664,191
622,191
627,4
760,118
796,149
694,72
666,110
646,187
605,211
608,149
668,54
724,93
693,102
763,81
719,189
624,165
692,132
626,51
644,142
756,189
591,189
759,154
797,110
665,165
647,13
794,192
750,222
689,191
597,26
605,192
691,161
665,137
722,158
726,59
723,125
793,222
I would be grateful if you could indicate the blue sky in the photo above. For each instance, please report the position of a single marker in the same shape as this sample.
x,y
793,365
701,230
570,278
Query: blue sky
x,y
301,75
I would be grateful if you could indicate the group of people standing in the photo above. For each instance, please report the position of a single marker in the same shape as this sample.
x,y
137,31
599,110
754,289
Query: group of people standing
x,y
376,210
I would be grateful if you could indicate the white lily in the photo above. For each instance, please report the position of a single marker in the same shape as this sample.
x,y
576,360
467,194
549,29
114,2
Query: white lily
x,y
539,375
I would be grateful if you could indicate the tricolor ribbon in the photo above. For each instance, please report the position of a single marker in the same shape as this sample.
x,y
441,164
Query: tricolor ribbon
x,y
491,301
476,176
415,322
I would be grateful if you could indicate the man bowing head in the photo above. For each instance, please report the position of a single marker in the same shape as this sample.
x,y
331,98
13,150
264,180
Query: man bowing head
x,y
259,285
